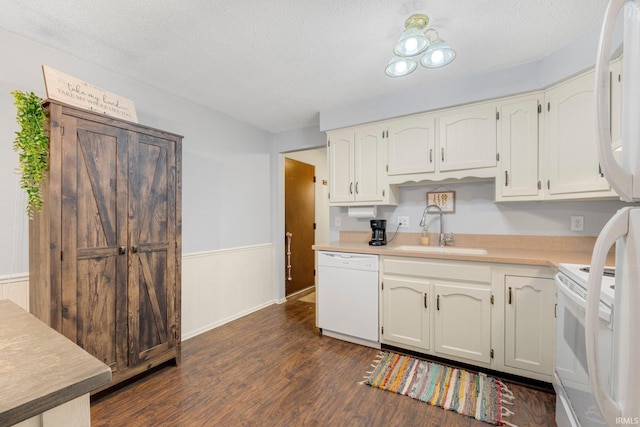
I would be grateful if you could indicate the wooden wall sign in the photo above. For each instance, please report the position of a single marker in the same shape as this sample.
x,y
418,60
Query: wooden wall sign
x,y
446,200
70,90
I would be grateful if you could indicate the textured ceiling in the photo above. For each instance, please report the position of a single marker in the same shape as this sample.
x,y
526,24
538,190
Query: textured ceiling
x,y
277,63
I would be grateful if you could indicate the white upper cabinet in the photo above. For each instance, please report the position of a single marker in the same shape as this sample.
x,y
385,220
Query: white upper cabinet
x,y
455,143
518,174
467,138
572,167
341,165
412,145
357,163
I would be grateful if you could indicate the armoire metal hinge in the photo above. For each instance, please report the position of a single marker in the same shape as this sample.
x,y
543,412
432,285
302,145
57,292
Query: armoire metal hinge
x,y
539,109
492,353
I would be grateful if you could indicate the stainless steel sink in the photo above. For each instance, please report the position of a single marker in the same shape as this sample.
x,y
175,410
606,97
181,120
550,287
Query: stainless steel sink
x,y
442,250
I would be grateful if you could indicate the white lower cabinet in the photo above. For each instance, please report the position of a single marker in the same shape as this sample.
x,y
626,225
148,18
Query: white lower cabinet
x,y
406,310
495,316
463,321
529,323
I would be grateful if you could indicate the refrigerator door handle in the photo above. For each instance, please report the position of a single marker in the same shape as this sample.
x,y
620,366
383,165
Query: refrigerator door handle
x,y
620,180
616,228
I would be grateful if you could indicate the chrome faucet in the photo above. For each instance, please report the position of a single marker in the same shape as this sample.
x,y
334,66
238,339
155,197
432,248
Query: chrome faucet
x,y
443,238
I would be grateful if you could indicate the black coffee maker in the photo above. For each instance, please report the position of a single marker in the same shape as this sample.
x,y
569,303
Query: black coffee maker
x,y
378,232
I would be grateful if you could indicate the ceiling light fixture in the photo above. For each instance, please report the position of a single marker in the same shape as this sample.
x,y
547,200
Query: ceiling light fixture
x,y
414,41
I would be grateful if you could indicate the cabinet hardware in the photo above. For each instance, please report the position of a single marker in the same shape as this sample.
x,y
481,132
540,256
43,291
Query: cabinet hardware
x,y
497,157
442,153
509,295
600,170
548,106
506,178
351,188
382,285
497,115
357,192
382,330
62,130
431,155
383,193
492,299
539,109
387,168
122,250
438,303
61,255
425,300
492,353
548,184
555,311
539,185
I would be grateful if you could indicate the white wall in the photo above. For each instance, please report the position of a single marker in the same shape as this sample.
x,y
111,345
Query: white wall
x,y
227,166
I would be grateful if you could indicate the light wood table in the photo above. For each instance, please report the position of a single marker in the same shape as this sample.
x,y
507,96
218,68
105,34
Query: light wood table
x,y
45,379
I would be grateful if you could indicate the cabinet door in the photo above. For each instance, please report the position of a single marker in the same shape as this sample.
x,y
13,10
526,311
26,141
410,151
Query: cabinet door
x,y
572,157
467,138
369,165
518,174
463,321
530,323
340,150
152,238
405,312
411,145
94,239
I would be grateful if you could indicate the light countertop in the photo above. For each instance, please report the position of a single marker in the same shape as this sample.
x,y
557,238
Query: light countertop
x,y
546,251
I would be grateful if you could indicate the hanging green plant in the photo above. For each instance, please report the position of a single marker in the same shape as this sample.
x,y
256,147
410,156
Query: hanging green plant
x,y
32,146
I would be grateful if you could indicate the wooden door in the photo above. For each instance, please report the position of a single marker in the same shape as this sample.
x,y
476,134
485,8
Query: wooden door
x,y
152,242
94,235
299,189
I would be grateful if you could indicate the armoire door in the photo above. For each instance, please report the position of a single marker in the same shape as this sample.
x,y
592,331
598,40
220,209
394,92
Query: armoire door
x,y
152,241
93,238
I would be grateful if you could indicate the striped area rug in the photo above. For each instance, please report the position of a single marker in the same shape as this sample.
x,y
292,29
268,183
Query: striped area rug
x,y
474,395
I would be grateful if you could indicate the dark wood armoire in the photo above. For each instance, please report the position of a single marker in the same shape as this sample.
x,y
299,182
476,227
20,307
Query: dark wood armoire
x,y
105,251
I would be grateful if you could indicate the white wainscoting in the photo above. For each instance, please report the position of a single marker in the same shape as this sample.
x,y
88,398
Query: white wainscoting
x,y
222,285
16,289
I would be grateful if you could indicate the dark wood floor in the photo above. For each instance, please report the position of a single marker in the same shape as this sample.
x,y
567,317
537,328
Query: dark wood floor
x,y
271,368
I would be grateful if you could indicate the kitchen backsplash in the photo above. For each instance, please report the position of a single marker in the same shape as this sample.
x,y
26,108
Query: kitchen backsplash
x,y
477,213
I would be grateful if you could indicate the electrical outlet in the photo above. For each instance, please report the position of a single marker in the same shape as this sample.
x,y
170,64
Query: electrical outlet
x,y
337,222
577,223
403,221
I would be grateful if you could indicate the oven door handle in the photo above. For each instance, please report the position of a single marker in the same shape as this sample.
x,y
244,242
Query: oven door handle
x,y
617,227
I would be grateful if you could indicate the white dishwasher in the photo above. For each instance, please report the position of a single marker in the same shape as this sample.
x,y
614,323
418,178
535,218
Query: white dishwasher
x,y
347,297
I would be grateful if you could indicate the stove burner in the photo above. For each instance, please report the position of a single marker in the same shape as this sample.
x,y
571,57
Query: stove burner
x,y
608,272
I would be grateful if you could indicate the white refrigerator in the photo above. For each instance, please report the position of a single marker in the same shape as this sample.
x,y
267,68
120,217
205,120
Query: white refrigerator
x,y
619,399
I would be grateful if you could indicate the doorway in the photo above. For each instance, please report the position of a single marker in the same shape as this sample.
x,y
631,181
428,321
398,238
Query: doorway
x,y
299,222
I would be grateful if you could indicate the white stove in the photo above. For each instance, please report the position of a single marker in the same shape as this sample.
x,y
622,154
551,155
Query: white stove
x,y
577,276
575,404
